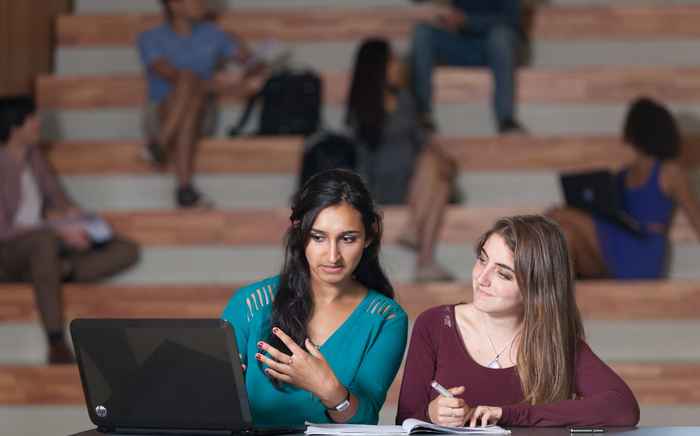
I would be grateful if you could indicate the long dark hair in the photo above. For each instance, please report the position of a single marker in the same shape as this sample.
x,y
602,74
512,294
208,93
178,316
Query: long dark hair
x,y
293,303
552,324
365,108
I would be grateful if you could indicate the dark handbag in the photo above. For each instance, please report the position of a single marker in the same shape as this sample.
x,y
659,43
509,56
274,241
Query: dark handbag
x,y
291,105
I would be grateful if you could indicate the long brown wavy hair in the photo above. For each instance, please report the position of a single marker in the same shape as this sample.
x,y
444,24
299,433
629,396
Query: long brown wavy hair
x,y
551,326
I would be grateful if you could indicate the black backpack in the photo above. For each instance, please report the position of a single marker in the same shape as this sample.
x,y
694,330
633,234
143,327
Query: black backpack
x,y
291,105
326,151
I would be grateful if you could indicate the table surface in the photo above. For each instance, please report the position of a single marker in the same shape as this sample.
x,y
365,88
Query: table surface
x,y
534,431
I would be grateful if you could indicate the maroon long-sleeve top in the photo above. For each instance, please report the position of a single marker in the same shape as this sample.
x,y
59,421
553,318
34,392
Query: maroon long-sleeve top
x,y
437,352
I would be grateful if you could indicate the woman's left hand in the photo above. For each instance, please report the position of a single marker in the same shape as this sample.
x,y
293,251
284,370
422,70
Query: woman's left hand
x,y
305,369
484,415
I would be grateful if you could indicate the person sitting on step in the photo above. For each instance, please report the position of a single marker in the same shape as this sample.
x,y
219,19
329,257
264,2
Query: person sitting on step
x,y
45,237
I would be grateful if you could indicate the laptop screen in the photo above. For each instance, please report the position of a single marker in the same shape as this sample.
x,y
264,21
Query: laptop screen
x,y
161,374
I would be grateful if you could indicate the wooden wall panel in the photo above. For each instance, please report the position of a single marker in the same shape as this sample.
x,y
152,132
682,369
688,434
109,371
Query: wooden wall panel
x,y
26,42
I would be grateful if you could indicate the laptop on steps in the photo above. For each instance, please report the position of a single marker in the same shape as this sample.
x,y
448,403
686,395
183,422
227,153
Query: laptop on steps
x,y
164,376
599,192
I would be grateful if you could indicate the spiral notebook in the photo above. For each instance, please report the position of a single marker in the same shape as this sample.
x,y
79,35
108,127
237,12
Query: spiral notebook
x,y
408,427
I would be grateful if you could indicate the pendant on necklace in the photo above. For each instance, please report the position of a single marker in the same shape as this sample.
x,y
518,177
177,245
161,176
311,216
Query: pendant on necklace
x,y
494,364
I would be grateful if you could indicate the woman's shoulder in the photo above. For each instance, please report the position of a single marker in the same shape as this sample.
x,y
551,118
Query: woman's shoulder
x,y
437,314
672,178
381,307
254,298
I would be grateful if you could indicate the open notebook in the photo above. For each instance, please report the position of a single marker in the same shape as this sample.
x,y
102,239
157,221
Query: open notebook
x,y
409,426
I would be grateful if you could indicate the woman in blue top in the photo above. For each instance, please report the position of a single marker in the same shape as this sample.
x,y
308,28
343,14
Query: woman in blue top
x,y
651,186
323,341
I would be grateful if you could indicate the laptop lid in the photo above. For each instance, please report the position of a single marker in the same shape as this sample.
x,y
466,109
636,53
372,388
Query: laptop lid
x,y
598,192
161,374
595,191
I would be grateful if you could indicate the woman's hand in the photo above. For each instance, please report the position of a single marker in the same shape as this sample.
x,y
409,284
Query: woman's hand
x,y
74,236
485,415
305,369
69,213
451,412
450,18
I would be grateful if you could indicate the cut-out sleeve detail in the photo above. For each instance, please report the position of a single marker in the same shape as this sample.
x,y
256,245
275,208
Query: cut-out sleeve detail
x,y
245,305
382,359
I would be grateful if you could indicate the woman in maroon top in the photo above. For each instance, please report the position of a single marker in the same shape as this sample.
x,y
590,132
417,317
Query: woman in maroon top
x,y
516,354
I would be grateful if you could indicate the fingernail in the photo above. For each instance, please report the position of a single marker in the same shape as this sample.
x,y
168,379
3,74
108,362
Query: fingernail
x,y
258,356
261,345
275,330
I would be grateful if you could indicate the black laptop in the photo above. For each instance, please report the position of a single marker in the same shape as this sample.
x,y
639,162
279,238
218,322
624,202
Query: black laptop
x,y
598,192
163,376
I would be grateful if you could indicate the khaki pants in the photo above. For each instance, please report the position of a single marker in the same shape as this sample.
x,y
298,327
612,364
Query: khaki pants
x,y
36,257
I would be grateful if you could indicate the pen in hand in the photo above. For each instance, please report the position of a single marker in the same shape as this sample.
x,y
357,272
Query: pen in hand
x,y
441,389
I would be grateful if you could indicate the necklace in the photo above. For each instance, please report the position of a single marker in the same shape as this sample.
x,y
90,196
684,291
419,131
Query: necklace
x,y
495,364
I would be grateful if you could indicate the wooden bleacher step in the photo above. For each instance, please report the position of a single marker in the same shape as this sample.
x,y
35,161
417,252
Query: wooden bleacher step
x,y
333,24
274,154
599,300
652,383
582,85
463,225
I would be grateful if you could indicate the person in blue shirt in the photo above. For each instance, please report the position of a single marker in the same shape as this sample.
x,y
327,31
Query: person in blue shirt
x,y
181,57
322,342
470,33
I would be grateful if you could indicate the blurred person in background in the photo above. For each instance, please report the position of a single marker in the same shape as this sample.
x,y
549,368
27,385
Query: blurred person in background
x,y
652,185
45,237
470,33
181,58
398,158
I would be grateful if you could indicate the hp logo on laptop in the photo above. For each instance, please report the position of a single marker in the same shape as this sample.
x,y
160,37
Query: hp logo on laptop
x,y
101,411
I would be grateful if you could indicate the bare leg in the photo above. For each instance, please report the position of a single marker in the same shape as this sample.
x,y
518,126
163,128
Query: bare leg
x,y
187,138
580,232
431,226
409,237
432,192
181,115
177,106
423,185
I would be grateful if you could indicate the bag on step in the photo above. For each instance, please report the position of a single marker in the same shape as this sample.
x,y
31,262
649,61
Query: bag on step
x,y
291,105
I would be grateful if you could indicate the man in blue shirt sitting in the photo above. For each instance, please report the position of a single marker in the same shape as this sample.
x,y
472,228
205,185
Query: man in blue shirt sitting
x,y
181,57
470,33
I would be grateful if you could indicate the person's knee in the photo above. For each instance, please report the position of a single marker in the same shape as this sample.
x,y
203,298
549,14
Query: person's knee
x,y
127,254
44,242
501,40
189,82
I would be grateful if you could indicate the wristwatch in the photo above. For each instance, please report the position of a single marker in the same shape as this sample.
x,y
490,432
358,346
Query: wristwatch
x,y
343,405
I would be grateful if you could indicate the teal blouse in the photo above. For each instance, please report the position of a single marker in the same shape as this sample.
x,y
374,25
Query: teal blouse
x,y
364,352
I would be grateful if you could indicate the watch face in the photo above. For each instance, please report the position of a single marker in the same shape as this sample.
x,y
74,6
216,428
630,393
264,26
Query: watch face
x,y
343,406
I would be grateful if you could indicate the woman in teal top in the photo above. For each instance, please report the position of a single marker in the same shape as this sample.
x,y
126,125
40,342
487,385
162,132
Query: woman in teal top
x,y
322,342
